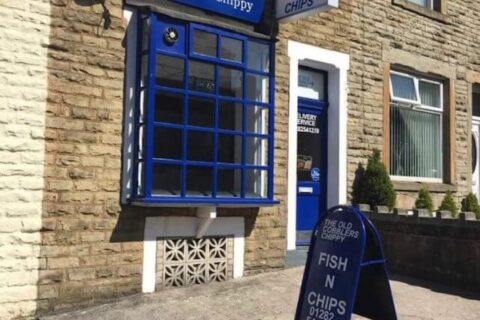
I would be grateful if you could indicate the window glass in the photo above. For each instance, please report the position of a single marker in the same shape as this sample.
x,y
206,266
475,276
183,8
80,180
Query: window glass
x,y
231,82
167,143
430,94
166,180
474,154
255,188
199,181
169,71
232,49
311,84
256,151
259,56
229,182
200,146
403,87
257,119
476,100
229,148
144,75
168,107
230,115
423,3
205,43
416,149
201,112
258,88
201,77
309,145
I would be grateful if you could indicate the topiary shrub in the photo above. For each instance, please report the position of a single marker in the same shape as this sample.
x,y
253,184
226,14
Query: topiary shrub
x,y
470,204
424,200
448,203
358,196
373,186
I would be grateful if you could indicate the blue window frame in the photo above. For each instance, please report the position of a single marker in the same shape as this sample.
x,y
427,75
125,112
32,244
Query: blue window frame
x,y
205,117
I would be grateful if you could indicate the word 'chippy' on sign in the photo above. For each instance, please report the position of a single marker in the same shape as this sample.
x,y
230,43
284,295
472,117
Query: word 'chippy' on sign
x,y
297,5
241,5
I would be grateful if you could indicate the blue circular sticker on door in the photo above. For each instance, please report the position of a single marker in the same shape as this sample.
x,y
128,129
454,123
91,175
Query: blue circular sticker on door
x,y
315,173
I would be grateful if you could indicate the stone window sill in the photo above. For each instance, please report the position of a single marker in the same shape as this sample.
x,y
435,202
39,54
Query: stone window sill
x,y
429,13
416,186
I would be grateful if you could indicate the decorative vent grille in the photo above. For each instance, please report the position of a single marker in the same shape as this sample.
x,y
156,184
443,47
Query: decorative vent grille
x,y
188,261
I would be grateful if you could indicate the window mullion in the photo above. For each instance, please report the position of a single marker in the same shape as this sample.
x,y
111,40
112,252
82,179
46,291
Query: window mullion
x,y
244,137
215,135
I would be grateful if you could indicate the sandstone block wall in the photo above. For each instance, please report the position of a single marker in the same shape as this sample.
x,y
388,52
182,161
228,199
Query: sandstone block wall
x,y
368,31
24,36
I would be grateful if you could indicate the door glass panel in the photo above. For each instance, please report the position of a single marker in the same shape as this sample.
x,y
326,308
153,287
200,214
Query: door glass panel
x,y
169,71
311,84
309,146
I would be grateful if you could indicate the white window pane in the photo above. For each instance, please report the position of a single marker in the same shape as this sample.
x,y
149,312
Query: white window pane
x,y
430,94
403,87
415,146
257,119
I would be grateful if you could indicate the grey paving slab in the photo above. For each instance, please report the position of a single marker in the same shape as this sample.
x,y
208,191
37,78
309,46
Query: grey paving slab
x,y
271,296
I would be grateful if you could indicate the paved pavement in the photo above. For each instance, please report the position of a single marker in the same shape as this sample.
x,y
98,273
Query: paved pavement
x,y
272,296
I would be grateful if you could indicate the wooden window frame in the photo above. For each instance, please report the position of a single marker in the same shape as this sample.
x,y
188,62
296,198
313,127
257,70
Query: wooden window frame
x,y
449,136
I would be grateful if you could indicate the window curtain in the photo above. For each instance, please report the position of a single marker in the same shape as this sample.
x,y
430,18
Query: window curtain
x,y
415,146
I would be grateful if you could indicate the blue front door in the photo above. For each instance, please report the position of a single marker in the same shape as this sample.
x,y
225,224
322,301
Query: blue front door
x,y
311,151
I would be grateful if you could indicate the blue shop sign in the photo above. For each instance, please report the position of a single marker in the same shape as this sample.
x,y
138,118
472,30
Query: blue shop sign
x,y
247,10
345,271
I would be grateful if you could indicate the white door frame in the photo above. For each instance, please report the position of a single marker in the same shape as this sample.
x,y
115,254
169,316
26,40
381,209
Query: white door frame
x,y
337,65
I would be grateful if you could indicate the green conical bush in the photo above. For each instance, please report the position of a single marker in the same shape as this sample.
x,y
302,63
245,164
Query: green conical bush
x,y
374,186
424,200
448,203
470,204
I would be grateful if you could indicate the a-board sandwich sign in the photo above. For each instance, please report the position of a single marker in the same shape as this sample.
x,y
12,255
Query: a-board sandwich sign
x,y
345,270
289,10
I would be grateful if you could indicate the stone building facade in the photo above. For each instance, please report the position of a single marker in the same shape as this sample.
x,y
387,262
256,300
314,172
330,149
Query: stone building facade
x,y
71,237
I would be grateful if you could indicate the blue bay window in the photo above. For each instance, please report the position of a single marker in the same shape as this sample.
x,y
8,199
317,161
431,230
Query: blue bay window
x,y
204,116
